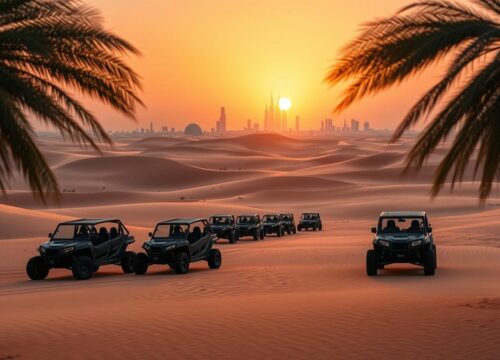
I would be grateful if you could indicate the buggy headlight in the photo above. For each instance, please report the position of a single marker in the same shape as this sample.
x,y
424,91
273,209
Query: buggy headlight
x,y
69,249
416,243
146,246
42,250
384,243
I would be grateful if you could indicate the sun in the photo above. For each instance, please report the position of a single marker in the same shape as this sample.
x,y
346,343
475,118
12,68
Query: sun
x,y
284,104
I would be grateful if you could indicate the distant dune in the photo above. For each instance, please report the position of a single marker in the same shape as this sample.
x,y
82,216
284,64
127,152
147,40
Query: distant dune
x,y
140,173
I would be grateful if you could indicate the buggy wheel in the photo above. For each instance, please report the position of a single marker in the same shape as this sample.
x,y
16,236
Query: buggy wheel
x,y
262,235
256,235
294,230
315,228
36,268
289,231
181,265
371,263
141,264
429,263
127,262
278,232
232,238
320,227
214,259
435,256
83,268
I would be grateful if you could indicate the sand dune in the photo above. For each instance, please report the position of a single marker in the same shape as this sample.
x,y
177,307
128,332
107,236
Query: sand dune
x,y
139,172
300,297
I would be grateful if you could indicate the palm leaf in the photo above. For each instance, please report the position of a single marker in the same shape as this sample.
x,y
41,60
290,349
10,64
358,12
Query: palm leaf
x,y
45,47
388,51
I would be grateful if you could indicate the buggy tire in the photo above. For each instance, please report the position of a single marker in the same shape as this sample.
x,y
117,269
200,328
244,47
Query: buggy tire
x,y
127,262
289,231
371,263
294,230
141,264
320,227
278,232
315,228
83,268
262,235
181,264
435,256
232,238
429,263
256,236
214,259
36,268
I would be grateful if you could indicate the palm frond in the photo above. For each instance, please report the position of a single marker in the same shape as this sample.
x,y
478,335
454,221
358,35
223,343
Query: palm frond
x,y
470,54
492,5
390,50
18,150
45,47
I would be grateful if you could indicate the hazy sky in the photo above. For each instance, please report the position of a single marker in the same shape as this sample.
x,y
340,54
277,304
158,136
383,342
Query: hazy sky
x,y
199,55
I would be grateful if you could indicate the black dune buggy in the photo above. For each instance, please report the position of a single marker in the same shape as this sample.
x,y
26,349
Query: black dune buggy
x,y
289,223
82,246
402,237
250,225
224,226
273,224
310,221
177,243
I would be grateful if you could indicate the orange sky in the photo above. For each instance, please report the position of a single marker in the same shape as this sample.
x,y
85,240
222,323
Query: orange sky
x,y
199,55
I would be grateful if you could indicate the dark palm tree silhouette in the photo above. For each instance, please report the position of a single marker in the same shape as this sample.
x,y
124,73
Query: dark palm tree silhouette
x,y
390,50
47,46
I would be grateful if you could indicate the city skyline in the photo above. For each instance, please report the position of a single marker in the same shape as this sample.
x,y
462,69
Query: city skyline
x,y
269,124
274,120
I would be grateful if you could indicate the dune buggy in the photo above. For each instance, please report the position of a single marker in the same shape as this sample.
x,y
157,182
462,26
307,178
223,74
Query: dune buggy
x,y
310,221
83,246
250,225
289,223
402,237
224,226
177,243
273,224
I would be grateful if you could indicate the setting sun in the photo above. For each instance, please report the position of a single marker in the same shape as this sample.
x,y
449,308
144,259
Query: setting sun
x,y
285,104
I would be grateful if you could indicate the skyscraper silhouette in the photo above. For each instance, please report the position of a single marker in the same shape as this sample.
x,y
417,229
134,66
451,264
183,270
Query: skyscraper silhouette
x,y
271,114
222,121
266,119
277,117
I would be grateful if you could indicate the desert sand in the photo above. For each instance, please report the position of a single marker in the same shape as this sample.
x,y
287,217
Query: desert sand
x,y
304,296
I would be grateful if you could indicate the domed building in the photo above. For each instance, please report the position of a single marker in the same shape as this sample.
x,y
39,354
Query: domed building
x,y
193,130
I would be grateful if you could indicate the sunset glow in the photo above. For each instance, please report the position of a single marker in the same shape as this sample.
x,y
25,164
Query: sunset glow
x,y
201,55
